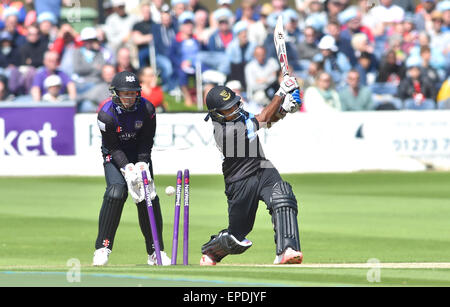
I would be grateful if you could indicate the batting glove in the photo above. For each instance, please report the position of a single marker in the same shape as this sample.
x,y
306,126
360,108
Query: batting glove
x,y
292,102
287,86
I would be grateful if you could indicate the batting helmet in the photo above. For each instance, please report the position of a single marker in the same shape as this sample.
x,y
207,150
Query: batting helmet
x,y
222,98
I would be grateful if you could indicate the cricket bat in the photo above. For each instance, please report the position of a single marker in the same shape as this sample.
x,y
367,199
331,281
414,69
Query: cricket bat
x,y
280,46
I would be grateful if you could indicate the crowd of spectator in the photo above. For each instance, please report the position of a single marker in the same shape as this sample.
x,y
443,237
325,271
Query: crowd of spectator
x,y
348,55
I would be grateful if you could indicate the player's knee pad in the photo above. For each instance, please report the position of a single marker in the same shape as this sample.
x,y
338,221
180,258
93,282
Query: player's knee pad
x,y
116,193
284,217
224,244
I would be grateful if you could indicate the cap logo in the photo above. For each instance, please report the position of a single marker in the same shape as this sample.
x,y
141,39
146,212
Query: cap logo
x,y
225,94
130,79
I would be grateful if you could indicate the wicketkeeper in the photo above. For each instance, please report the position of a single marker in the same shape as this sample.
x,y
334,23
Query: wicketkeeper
x,y
250,177
127,123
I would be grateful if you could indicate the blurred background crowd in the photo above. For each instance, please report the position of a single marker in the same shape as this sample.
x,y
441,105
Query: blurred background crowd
x,y
348,55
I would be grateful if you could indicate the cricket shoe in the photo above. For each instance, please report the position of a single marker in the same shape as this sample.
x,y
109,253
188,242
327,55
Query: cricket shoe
x,y
205,260
289,256
153,261
101,256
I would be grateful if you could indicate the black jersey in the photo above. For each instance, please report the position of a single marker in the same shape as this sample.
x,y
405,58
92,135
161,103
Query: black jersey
x,y
240,147
127,137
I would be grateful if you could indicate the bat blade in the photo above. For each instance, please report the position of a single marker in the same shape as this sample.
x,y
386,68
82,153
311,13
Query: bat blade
x,y
280,46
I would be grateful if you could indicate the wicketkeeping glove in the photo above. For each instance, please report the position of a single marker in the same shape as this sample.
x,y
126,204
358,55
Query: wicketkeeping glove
x,y
292,102
134,182
142,166
287,86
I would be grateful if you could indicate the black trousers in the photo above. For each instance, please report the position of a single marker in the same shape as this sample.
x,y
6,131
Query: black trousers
x,y
113,201
243,199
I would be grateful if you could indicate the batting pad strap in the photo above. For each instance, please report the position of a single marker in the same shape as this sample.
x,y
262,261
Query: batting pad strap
x,y
224,244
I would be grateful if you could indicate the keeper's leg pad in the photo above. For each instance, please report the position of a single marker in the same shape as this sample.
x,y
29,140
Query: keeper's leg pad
x,y
110,213
284,217
224,244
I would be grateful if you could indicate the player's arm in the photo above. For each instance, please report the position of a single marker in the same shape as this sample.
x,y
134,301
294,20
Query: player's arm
x,y
110,139
286,100
146,136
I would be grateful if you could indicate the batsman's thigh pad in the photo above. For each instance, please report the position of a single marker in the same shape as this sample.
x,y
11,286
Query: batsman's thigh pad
x,y
224,244
284,217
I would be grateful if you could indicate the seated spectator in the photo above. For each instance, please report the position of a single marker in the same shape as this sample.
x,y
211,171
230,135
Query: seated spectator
x,y
124,61
333,8
260,73
307,49
12,26
443,97
334,62
183,54
178,8
322,97
118,26
437,61
386,13
355,97
32,52
440,40
239,52
391,71
196,5
367,68
257,32
53,84
150,88
164,37
8,6
423,12
9,55
51,60
248,11
202,31
48,22
5,94
141,34
350,19
91,99
310,75
88,61
426,69
214,57
344,44
415,90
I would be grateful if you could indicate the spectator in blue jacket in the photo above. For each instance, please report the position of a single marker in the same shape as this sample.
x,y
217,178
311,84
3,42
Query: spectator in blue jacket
x,y
183,53
163,37
334,62
240,52
215,57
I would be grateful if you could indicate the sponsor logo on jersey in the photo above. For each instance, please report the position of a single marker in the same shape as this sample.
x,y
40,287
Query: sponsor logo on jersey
x,y
138,124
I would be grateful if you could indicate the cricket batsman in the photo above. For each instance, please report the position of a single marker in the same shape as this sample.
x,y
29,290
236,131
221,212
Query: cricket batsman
x,y
127,123
250,177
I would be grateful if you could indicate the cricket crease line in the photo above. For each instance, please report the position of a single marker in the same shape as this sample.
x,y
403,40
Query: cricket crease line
x,y
381,265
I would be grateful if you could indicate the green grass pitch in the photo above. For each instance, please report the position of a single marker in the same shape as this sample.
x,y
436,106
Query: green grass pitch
x,y
400,219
